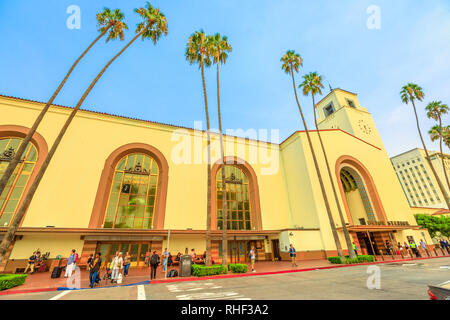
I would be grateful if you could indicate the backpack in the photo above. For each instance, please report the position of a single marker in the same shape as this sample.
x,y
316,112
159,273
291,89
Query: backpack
x,y
154,260
172,273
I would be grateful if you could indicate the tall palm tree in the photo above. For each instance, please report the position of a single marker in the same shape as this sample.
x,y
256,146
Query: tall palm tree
x,y
196,52
435,110
107,20
153,26
409,93
218,48
291,62
312,83
439,133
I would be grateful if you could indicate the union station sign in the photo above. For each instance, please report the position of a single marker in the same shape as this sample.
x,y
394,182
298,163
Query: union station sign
x,y
388,223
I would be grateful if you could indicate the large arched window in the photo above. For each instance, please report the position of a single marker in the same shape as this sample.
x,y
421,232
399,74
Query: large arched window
x,y
10,198
237,199
131,201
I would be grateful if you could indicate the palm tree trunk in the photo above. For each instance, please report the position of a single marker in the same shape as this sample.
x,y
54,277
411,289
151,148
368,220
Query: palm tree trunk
x,y
351,252
224,193
322,188
208,196
13,163
441,187
442,154
10,233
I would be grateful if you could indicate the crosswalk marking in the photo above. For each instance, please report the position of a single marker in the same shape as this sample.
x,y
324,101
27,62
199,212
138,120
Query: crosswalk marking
x,y
60,295
141,293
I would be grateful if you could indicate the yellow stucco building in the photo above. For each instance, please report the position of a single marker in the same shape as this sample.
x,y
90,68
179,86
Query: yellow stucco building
x,y
121,184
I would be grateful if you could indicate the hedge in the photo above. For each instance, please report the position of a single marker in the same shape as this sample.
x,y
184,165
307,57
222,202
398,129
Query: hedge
x,y
358,259
202,270
11,280
238,268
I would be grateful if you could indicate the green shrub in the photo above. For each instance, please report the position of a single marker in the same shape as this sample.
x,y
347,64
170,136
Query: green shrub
x,y
11,280
358,259
336,260
202,270
365,258
238,268
351,260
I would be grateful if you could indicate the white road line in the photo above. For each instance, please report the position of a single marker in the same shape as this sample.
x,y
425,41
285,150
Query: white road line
x,y
60,295
141,293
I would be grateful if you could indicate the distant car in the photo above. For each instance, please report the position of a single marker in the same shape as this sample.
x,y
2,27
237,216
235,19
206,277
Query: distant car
x,y
440,291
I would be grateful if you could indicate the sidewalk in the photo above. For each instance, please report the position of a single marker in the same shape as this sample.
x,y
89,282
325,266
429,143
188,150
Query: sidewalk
x,y
39,282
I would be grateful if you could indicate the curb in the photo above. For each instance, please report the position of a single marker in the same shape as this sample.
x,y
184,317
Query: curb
x,y
284,271
169,280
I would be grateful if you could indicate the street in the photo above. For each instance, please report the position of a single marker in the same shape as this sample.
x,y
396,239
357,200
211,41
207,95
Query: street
x,y
398,281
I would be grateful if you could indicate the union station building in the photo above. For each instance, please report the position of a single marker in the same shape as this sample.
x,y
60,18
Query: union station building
x,y
124,184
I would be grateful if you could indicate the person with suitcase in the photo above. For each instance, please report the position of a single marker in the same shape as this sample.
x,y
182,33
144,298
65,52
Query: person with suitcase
x,y
30,264
94,269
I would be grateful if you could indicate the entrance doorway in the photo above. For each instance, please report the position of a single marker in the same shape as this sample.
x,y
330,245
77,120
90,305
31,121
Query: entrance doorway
x,y
137,252
276,249
239,250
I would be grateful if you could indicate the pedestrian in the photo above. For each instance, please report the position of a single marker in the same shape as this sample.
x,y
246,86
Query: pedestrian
x,y
154,262
399,248
71,263
147,258
31,262
355,248
423,245
414,248
165,256
388,247
170,260
447,245
126,264
293,255
252,255
115,266
94,268
89,261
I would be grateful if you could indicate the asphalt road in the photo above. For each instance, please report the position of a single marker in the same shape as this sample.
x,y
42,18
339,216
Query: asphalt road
x,y
398,281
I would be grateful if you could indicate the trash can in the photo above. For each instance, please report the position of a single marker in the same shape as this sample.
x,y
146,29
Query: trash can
x,y
185,265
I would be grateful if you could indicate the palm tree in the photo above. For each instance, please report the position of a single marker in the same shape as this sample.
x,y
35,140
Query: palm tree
x,y
290,63
154,25
218,48
438,133
196,52
409,93
107,21
435,110
312,82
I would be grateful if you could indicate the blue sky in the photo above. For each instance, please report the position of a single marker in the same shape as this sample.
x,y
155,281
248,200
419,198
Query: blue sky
x,y
156,83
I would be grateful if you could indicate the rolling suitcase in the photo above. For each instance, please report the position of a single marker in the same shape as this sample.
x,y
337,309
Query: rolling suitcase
x,y
56,273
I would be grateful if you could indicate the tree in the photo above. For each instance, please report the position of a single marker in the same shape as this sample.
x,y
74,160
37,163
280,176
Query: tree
x,y
312,83
218,48
409,93
435,110
290,63
196,53
436,226
107,20
154,25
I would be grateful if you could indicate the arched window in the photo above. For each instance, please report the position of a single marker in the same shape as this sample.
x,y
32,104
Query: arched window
x,y
10,198
131,201
237,199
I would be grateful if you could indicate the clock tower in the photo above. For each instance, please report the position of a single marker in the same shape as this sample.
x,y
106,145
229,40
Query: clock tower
x,y
340,109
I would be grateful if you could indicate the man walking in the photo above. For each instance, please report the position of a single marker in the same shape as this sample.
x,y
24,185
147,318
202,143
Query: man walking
x,y
413,247
115,266
71,263
293,255
165,256
423,245
154,261
355,248
94,267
